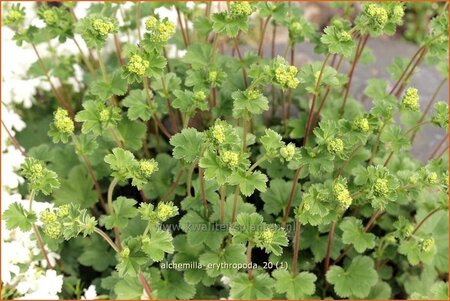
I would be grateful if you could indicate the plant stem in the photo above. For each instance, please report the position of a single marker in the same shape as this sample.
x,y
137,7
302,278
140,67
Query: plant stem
x,y
429,105
88,165
256,164
244,133
60,100
189,178
172,187
155,118
438,146
14,141
138,20
249,259
111,208
235,200
222,204
261,38
296,248
145,285
287,211
202,187
84,58
180,23
244,72
420,224
107,239
410,73
41,245
316,92
358,52
329,245
377,142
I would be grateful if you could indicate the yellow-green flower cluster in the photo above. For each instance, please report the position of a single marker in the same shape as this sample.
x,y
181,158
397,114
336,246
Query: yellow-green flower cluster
x,y
427,245
410,101
148,167
164,211
361,124
138,65
103,27
62,211
335,146
230,158
199,96
62,121
51,225
398,12
240,9
381,187
377,13
36,171
252,94
218,133
212,77
160,31
342,195
125,253
344,36
295,29
286,76
432,178
14,16
267,236
48,217
105,115
288,151
50,17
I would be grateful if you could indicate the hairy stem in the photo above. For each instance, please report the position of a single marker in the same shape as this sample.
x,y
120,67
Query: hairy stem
x,y
420,224
172,187
249,260
261,38
287,211
296,248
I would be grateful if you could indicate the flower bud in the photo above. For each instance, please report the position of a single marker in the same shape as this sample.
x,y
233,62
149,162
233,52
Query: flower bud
x,y
53,230
62,122
218,132
102,27
335,146
361,125
62,211
342,195
381,187
241,9
165,211
148,167
267,236
48,217
427,245
377,14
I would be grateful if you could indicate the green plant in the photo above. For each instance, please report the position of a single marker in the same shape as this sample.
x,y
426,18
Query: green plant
x,y
273,179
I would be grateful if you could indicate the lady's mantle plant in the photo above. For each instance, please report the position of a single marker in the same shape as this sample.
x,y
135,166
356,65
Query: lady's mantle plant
x,y
252,176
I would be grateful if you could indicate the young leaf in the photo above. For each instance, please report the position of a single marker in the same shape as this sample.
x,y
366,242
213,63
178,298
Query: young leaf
x,y
137,105
187,144
157,244
297,287
248,182
232,254
353,233
17,217
257,288
123,210
354,281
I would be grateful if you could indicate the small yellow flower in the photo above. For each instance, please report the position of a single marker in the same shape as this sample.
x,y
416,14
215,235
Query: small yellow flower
x,y
53,230
151,23
241,9
409,230
378,14
218,132
342,195
48,217
335,146
105,115
50,17
62,122
63,211
381,187
411,100
138,65
427,245
344,36
212,76
286,76
432,178
199,96
361,125
253,94
165,30
397,14
125,253
165,211
148,167
14,16
103,27
230,158
267,236
288,152
36,171
296,28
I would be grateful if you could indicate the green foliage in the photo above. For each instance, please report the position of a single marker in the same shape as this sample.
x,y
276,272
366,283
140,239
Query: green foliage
x,y
195,144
